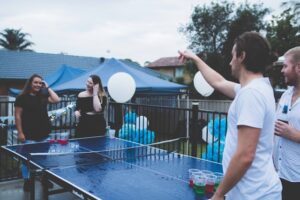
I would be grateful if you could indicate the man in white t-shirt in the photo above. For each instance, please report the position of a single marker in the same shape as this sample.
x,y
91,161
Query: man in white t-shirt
x,y
287,149
247,159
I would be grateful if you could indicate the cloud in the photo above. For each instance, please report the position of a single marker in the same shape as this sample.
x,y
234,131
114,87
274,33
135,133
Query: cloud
x,y
141,30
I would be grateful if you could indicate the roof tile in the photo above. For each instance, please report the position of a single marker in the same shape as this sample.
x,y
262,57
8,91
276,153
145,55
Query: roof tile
x,y
21,65
166,62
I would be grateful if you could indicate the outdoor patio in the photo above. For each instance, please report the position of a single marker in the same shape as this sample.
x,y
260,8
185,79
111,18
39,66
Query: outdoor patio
x,y
165,122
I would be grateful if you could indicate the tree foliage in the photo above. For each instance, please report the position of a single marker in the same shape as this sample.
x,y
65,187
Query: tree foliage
x,y
208,27
282,34
213,28
15,40
247,18
293,6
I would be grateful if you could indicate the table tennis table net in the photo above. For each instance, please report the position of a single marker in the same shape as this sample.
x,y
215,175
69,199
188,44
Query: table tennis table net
x,y
66,156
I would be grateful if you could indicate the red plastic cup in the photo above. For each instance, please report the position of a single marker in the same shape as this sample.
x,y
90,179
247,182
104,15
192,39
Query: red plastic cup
x,y
64,138
210,183
191,177
52,138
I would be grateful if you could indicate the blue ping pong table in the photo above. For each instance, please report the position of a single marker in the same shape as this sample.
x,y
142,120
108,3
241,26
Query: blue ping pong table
x,y
112,168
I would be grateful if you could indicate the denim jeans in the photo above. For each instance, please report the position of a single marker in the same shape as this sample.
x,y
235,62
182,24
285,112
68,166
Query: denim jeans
x,y
24,168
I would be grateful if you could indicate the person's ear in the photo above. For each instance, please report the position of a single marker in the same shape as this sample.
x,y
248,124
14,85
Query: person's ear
x,y
242,56
297,68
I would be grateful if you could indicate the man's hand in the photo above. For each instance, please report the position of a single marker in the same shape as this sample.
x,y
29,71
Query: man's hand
x,y
184,55
282,129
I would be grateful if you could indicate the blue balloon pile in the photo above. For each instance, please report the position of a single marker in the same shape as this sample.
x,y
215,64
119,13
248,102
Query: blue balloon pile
x,y
215,149
129,131
130,118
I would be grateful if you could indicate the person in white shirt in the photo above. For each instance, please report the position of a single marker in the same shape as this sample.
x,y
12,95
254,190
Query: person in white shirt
x,y
287,149
249,173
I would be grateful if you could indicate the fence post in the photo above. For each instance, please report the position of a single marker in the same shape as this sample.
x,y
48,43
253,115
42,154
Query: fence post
x,y
3,135
118,116
194,132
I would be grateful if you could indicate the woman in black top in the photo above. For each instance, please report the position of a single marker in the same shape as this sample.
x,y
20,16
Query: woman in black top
x,y
90,109
31,114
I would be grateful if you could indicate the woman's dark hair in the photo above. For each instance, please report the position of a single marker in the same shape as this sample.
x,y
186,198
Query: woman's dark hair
x,y
27,87
96,79
257,50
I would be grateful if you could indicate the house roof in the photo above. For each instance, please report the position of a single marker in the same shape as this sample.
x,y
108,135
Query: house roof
x,y
21,65
166,62
147,70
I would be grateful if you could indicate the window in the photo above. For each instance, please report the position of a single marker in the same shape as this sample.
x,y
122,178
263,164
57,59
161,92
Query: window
x,y
179,72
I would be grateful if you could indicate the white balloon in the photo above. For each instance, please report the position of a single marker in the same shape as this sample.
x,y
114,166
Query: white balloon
x,y
121,87
206,136
141,122
202,86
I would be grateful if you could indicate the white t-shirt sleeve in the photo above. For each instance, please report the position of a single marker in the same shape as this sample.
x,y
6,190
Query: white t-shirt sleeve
x,y
251,108
237,87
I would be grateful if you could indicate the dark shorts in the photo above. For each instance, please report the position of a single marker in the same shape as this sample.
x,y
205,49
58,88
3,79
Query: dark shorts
x,y
91,125
290,190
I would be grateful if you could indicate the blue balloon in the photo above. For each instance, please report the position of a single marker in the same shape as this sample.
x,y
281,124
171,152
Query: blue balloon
x,y
214,152
129,131
217,128
130,117
147,137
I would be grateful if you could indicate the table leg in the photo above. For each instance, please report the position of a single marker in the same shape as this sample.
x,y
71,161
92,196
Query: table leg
x,y
32,186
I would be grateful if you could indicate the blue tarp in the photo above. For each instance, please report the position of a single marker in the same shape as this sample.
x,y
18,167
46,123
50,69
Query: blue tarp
x,y
145,83
62,75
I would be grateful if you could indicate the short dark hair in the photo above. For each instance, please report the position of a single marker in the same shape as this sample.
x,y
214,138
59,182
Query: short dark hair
x,y
257,49
294,53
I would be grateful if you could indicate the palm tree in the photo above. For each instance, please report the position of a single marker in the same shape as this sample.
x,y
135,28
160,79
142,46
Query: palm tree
x,y
15,40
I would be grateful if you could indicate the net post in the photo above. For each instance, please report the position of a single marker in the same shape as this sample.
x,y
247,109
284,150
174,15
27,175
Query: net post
x,y
193,133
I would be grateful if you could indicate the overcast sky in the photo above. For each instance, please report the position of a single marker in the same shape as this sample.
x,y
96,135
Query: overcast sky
x,y
142,30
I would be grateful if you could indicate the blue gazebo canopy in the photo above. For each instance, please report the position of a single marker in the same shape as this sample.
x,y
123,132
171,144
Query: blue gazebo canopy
x,y
145,83
63,74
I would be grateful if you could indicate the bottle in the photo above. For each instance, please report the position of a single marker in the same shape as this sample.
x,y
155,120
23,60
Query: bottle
x,y
283,115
